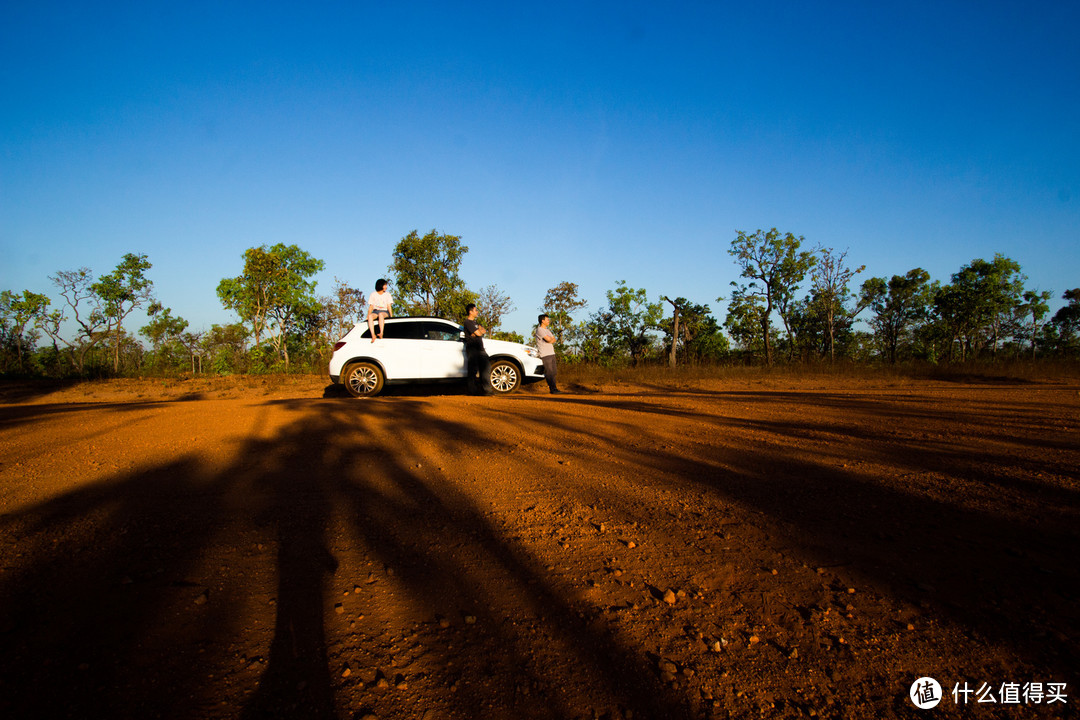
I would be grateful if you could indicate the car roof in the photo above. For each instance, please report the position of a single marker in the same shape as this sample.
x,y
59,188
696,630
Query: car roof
x,y
406,318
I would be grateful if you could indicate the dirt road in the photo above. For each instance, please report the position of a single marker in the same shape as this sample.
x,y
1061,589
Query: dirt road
x,y
776,548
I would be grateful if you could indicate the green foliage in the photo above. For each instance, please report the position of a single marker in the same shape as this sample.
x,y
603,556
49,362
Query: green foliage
x,y
1036,307
625,325
510,336
900,305
121,292
560,304
982,297
700,338
745,319
273,294
85,312
16,312
1066,322
831,276
165,334
226,348
774,261
425,271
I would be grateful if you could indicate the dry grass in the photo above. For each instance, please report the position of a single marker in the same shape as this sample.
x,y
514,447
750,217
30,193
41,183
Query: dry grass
x,y
662,375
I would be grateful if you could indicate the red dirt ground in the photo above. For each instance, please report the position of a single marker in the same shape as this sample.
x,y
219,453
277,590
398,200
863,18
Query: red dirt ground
x,y
715,548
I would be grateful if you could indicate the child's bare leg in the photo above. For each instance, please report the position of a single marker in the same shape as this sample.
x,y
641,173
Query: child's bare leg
x,y
371,326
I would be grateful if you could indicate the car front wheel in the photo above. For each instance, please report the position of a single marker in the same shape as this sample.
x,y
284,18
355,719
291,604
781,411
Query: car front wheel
x,y
505,376
363,379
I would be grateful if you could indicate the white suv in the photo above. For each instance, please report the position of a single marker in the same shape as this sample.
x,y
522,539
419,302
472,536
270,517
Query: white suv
x,y
417,349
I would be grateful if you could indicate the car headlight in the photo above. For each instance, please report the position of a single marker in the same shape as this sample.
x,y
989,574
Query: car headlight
x,y
531,351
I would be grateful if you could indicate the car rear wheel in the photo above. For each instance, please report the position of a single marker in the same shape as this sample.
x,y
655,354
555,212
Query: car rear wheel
x,y
505,376
363,379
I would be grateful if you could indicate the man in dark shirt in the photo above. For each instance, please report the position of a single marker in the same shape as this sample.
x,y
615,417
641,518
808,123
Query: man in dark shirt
x,y
479,368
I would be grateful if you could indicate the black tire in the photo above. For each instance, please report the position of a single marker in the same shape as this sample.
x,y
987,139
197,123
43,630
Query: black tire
x,y
363,379
505,376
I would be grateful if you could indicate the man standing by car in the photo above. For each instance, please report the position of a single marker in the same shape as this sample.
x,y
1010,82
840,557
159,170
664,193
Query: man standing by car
x,y
479,368
545,343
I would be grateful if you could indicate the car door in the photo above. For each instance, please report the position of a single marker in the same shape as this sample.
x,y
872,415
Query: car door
x,y
400,350
442,353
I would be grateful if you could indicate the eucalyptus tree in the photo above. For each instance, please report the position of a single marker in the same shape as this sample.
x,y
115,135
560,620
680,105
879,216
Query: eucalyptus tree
x,y
693,330
560,304
341,310
123,291
425,271
744,320
273,293
164,331
627,321
75,287
1036,306
492,304
830,279
774,261
1067,319
982,296
17,311
899,305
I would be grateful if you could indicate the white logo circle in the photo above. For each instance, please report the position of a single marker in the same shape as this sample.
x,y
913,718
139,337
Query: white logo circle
x,y
925,693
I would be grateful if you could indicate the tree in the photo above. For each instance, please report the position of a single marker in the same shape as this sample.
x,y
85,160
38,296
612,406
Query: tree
x,y
560,304
773,260
226,346
898,305
16,312
626,321
982,296
1036,306
693,330
831,277
673,332
192,342
745,317
162,327
425,272
492,303
122,291
1067,319
163,330
341,311
273,292
86,313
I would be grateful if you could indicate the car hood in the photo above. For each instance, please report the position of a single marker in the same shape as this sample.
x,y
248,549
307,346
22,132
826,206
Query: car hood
x,y
504,346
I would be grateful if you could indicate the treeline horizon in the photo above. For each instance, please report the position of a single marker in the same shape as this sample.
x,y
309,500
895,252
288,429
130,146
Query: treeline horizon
x,y
791,305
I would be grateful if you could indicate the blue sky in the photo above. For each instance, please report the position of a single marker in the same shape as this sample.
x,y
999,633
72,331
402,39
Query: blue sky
x,y
589,142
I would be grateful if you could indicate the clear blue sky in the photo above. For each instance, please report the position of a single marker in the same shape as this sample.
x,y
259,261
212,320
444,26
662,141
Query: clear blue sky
x,y
582,141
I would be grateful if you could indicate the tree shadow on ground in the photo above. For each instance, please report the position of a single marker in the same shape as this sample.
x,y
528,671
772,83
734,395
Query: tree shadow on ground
x,y
976,517
187,590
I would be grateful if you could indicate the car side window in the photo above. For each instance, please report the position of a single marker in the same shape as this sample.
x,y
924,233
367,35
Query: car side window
x,y
402,331
441,331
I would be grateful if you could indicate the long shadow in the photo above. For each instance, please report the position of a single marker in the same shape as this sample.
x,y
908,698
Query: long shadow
x,y
97,585
109,608
133,597
449,558
1007,576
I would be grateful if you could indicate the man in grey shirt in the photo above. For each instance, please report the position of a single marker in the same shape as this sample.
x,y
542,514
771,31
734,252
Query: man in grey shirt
x,y
545,342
